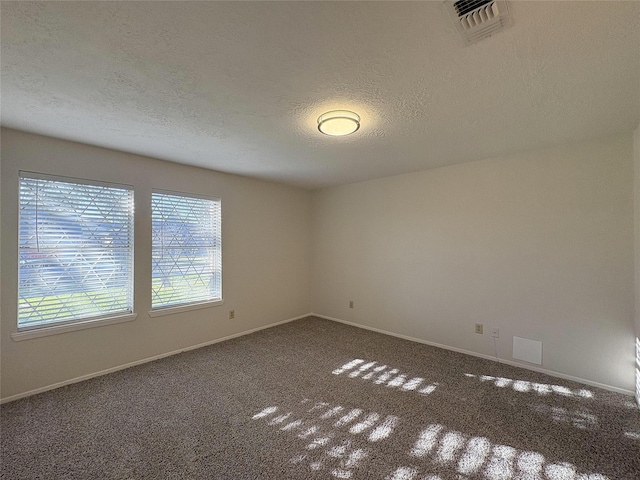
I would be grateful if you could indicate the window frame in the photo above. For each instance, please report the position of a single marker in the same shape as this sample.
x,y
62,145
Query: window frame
x,y
44,328
196,304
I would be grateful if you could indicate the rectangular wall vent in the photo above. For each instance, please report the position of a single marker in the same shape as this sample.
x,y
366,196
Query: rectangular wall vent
x,y
527,350
478,19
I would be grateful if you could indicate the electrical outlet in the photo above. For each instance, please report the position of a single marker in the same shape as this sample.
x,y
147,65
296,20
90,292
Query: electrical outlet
x,y
495,332
232,314
350,303
479,328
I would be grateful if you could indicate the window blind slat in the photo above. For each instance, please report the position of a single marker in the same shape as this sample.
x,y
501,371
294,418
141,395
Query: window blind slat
x,y
186,249
75,250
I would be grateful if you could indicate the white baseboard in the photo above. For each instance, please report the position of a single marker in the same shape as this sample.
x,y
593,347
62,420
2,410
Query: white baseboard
x,y
358,325
144,360
487,357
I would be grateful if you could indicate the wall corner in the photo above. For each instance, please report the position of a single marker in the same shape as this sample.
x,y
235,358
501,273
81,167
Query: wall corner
x,y
636,250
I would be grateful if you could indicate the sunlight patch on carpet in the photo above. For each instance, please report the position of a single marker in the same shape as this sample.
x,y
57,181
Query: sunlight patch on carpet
x,y
478,456
524,386
582,419
385,375
329,444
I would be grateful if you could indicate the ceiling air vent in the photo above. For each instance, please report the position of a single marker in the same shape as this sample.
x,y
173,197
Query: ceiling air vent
x,y
478,19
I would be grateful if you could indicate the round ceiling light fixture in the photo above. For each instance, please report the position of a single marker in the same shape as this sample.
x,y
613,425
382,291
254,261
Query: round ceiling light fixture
x,y
338,122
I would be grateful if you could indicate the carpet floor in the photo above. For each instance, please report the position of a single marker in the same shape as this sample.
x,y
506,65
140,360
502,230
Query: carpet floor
x,y
314,399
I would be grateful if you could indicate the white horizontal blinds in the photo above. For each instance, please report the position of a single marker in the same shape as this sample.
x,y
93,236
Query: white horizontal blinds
x,y
75,251
186,250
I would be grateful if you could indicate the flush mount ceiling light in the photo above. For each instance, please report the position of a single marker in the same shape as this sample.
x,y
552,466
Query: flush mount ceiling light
x,y
338,122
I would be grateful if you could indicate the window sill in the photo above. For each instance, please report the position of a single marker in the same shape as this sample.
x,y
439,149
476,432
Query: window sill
x,y
70,327
184,308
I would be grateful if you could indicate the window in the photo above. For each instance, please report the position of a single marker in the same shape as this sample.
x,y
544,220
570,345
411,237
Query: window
x,y
186,250
75,249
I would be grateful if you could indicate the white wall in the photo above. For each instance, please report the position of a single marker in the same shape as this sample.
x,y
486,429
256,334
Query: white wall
x,y
266,261
539,244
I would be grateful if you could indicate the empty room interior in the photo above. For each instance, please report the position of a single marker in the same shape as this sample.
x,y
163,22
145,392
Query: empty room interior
x,y
320,240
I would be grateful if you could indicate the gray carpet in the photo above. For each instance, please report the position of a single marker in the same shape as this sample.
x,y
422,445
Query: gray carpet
x,y
314,399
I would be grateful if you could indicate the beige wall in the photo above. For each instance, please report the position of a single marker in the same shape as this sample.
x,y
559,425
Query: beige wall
x,y
538,244
266,261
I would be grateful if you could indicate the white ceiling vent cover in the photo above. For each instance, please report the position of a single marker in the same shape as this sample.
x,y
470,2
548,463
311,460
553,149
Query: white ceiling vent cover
x,y
478,19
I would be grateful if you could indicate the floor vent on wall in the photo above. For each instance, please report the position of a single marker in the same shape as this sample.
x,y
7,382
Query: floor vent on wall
x,y
476,20
527,350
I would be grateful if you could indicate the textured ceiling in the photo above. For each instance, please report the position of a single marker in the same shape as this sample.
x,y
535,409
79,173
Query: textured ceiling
x,y
238,86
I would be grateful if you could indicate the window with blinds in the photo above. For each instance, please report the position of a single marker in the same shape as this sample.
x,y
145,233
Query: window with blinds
x,y
75,248
186,249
